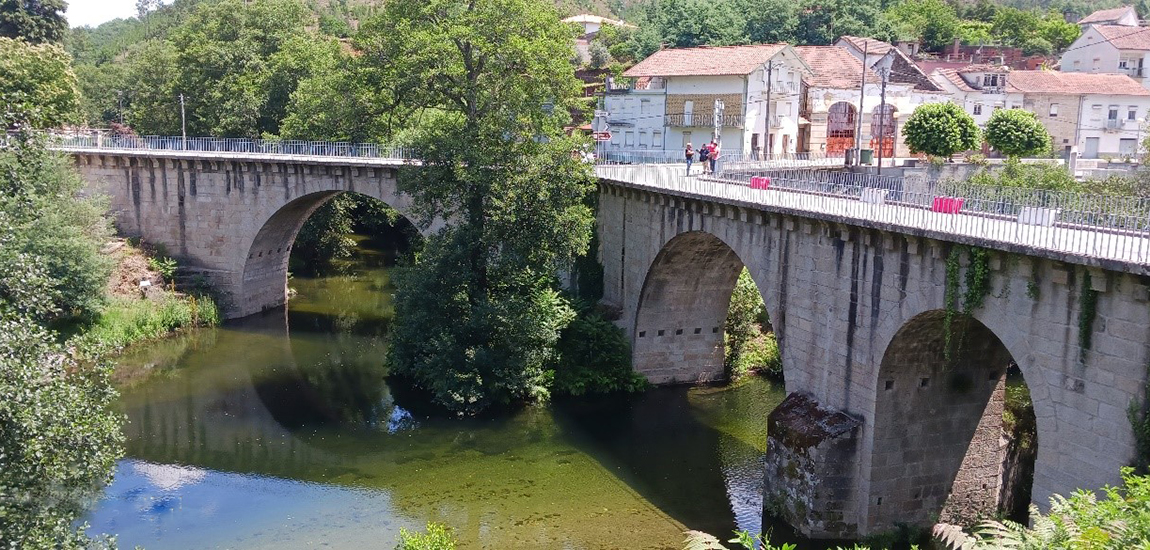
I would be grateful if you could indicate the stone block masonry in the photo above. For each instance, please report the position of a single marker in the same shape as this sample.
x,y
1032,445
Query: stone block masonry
x,y
858,312
233,221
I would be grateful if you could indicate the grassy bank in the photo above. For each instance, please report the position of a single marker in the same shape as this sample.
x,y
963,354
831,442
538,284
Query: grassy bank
x,y
141,302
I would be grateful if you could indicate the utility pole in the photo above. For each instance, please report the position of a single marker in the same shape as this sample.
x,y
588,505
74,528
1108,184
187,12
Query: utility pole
x,y
770,82
862,98
183,125
120,104
882,119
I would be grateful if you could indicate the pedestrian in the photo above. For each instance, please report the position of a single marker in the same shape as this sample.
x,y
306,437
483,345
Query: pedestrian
x,y
703,152
690,153
714,156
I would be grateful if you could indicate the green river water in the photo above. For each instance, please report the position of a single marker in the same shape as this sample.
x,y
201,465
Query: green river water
x,y
282,431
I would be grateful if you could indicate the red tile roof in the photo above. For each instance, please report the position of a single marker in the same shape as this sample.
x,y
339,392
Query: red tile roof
x,y
871,46
1106,16
1056,82
1126,38
833,67
706,61
952,76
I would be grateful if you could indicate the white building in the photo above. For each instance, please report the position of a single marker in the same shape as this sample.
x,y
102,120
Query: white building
x,y
831,96
1125,16
675,92
1099,115
1105,49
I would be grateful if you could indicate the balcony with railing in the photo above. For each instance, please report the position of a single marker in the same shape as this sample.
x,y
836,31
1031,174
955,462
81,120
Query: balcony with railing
x,y
1114,124
703,120
628,85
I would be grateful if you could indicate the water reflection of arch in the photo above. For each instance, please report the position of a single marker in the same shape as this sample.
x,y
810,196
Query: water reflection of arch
x,y
841,127
217,419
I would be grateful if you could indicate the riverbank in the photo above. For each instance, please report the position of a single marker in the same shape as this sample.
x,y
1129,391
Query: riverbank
x,y
142,302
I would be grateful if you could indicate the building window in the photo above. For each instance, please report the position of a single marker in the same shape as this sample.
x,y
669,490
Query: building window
x,y
1077,64
1132,113
686,139
1113,115
977,108
993,80
1097,63
644,106
630,139
1053,110
657,139
643,139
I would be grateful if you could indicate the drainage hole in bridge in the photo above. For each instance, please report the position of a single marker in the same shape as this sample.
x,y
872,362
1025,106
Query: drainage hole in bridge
x,y
698,330
715,330
661,332
642,333
678,331
924,382
889,385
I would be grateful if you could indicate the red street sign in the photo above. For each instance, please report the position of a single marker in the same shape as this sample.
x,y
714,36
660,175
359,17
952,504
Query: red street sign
x,y
602,136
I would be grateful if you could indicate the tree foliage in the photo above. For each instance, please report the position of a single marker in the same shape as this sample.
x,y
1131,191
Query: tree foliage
x,y
35,21
37,84
47,224
934,22
1017,133
476,319
58,437
940,129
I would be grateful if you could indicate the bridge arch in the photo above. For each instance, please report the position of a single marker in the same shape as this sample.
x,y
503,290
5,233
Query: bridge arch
x,y
678,334
263,281
936,430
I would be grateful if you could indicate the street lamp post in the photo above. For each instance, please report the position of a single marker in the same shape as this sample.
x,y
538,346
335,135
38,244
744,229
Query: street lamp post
x,y
183,125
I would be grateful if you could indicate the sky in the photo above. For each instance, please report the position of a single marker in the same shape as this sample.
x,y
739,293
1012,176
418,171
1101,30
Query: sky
x,y
94,12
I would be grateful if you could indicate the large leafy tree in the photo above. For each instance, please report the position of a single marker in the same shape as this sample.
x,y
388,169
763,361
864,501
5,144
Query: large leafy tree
x,y
935,22
476,319
37,82
1017,133
822,22
940,129
238,62
36,21
58,437
770,21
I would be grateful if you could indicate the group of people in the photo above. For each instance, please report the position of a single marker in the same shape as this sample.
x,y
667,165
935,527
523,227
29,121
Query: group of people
x,y
708,155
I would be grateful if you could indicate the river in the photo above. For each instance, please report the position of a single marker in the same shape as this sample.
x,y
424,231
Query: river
x,y
282,431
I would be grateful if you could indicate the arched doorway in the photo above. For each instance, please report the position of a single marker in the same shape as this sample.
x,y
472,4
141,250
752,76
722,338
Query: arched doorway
x,y
840,127
882,130
939,426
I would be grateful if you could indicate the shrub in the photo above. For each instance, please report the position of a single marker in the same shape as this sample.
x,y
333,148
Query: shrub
x,y
940,129
1017,133
127,320
593,356
438,537
747,348
43,220
59,438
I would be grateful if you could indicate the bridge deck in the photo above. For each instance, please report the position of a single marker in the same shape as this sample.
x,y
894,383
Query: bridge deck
x,y
1119,250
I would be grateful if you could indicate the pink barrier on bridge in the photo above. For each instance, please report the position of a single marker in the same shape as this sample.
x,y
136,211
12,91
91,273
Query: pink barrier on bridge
x,y
947,205
760,182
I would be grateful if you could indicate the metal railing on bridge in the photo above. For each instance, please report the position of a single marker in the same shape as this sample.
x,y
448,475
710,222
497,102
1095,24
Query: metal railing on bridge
x,y
232,145
1096,226
1093,226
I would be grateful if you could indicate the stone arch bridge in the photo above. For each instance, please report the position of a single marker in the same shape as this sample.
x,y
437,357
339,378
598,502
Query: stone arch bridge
x,y
883,424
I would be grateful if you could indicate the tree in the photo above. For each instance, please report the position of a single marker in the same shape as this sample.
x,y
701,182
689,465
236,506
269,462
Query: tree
x,y
476,318
687,23
770,21
238,62
934,22
1057,31
59,438
940,129
35,21
821,22
1017,133
1014,27
37,82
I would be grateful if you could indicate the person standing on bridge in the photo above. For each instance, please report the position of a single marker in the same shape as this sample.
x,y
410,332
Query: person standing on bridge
x,y
690,153
714,156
